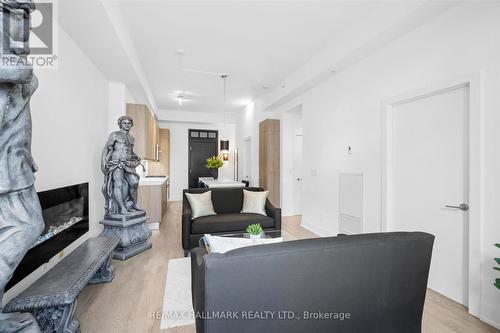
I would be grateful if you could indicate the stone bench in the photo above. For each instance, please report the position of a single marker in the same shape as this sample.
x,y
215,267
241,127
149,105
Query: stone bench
x,y
52,298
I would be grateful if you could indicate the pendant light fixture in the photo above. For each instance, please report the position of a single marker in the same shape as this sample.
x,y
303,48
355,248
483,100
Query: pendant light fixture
x,y
224,143
180,98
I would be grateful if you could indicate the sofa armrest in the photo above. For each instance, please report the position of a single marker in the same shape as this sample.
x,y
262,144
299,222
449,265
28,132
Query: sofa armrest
x,y
275,213
186,223
198,283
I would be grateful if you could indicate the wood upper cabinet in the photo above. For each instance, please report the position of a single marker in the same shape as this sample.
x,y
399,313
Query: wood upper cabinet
x,y
138,113
269,159
152,138
162,167
145,131
165,149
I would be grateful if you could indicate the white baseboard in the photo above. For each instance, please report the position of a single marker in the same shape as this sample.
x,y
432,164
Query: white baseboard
x,y
490,322
290,215
318,231
288,212
153,226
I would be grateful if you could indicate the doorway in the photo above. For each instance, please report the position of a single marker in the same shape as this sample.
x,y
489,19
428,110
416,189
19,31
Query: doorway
x,y
297,172
247,159
431,180
292,161
202,145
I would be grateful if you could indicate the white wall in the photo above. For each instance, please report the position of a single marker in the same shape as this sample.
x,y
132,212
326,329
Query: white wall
x,y
346,110
196,117
129,97
116,104
179,153
245,130
70,127
247,126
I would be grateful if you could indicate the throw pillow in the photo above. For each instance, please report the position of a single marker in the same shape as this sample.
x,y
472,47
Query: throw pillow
x,y
254,202
201,204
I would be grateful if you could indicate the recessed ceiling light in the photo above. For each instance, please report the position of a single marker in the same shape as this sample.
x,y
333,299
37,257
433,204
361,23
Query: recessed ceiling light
x,y
243,102
180,99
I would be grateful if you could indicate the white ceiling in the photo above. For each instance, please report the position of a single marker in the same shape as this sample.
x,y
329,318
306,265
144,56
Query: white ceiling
x,y
257,43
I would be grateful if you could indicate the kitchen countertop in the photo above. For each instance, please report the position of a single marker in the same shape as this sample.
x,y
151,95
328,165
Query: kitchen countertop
x,y
152,181
211,183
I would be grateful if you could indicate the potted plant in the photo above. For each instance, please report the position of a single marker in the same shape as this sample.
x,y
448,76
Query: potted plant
x,y
497,281
255,231
213,164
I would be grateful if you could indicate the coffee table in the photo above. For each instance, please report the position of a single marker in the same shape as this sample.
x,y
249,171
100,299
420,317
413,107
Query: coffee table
x,y
266,234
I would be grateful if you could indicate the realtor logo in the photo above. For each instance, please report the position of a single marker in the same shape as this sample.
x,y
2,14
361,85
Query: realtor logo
x,y
42,28
28,27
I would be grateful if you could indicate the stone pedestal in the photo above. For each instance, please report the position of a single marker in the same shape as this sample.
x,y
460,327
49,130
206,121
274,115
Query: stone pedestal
x,y
133,233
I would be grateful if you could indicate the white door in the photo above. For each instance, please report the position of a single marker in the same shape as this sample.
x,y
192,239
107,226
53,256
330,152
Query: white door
x,y
247,154
429,171
297,172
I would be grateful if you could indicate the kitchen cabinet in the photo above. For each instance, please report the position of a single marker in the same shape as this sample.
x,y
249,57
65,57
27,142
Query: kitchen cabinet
x,y
145,131
153,196
162,167
152,138
164,198
269,159
138,113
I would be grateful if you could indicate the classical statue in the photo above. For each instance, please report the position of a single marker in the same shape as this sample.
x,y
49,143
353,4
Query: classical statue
x,y
21,221
118,164
123,217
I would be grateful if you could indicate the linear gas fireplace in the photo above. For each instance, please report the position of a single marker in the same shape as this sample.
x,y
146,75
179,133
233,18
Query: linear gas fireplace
x,y
66,215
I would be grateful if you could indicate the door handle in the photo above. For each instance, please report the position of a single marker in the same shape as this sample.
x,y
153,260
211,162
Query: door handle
x,y
299,179
462,206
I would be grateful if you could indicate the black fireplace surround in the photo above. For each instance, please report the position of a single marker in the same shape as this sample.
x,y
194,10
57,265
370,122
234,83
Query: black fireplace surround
x,y
66,215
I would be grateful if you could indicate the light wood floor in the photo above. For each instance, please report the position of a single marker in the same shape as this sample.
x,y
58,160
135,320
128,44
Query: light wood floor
x,y
126,304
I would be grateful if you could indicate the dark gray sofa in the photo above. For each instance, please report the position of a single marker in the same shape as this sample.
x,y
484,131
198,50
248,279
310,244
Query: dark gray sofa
x,y
379,279
228,203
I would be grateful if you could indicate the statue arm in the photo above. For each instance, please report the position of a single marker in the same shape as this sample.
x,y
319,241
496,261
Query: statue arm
x,y
107,151
135,156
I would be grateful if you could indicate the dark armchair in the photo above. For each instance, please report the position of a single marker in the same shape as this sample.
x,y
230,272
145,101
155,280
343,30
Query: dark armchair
x,y
373,283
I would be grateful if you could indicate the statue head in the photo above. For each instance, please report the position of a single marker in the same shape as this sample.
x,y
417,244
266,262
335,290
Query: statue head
x,y
125,123
14,39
